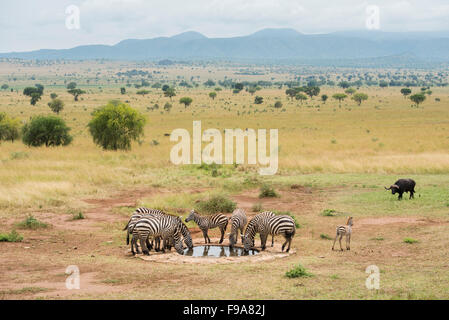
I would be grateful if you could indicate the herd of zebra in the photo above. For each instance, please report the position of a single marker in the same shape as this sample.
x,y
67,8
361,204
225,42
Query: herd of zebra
x,y
151,226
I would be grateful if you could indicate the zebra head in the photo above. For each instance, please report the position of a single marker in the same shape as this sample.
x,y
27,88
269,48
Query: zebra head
x,y
178,241
248,243
191,215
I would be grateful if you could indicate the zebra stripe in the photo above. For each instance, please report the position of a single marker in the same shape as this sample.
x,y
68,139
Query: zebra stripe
x,y
344,230
209,222
156,226
238,222
142,212
266,223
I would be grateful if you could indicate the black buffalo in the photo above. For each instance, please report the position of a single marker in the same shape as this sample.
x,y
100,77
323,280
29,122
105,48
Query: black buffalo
x,y
401,186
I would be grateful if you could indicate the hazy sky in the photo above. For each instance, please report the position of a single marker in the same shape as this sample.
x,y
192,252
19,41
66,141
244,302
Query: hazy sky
x,y
36,24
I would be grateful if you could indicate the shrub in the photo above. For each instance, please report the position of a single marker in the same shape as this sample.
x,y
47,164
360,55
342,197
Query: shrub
x,y
51,131
31,222
216,204
56,105
325,237
267,192
9,127
329,213
13,236
115,125
257,207
78,215
410,240
297,272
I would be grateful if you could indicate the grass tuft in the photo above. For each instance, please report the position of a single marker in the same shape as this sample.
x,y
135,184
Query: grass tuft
x,y
410,240
298,272
13,236
267,192
31,222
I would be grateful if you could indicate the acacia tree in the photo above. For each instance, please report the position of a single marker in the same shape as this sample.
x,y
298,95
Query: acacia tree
x,y
56,105
418,98
258,100
34,92
340,97
312,91
169,92
115,125
301,97
186,101
76,93
406,91
360,97
324,98
212,95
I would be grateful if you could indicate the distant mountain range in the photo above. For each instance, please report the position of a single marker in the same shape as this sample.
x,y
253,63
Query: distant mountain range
x,y
267,44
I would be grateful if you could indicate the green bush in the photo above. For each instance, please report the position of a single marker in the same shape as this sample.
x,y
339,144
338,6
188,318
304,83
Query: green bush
x,y
297,272
9,127
115,125
216,204
329,213
13,236
257,207
267,192
51,131
31,222
325,237
410,240
79,215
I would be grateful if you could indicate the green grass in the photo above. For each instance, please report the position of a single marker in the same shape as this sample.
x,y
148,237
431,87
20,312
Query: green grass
x,y
267,192
78,215
31,222
325,237
297,272
329,213
13,236
410,240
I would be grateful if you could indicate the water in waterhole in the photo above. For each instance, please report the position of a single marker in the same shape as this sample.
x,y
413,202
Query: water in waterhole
x,y
217,251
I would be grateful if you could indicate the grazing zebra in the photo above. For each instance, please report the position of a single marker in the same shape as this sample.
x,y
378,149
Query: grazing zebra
x,y
344,230
156,226
137,214
260,216
141,212
238,222
265,223
209,222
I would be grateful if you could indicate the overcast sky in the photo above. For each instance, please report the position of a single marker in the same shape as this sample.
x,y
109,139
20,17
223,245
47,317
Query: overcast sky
x,y
36,24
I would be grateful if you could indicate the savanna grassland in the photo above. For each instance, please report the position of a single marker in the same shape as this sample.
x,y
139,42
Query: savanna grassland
x,y
333,158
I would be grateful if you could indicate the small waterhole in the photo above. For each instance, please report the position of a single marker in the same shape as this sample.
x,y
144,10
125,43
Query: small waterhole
x,y
218,251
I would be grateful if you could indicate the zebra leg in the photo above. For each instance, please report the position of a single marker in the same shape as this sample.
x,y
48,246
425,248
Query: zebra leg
x,y
339,240
348,242
335,240
205,235
263,241
143,245
272,240
222,235
133,240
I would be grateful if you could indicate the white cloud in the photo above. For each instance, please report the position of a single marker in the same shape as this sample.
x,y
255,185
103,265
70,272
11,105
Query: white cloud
x,y
30,24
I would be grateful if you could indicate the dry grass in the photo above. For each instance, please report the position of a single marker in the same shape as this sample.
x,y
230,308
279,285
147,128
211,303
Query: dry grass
x,y
340,157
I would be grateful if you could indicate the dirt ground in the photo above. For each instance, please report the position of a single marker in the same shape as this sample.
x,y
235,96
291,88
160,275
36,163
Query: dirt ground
x,y
35,268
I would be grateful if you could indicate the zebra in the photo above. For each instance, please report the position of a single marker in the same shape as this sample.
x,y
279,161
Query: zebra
x,y
141,212
209,222
260,216
265,223
156,226
344,230
238,222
